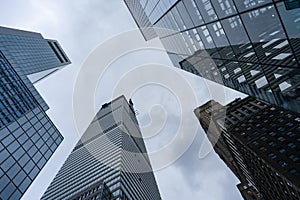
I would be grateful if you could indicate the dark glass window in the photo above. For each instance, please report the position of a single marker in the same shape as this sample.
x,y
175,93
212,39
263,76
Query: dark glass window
x,y
272,155
44,149
37,157
53,147
32,151
19,178
281,139
265,31
13,146
292,145
3,133
247,4
255,133
207,10
224,8
24,184
10,188
263,148
264,128
282,150
17,154
272,144
27,144
59,140
263,24
280,119
1,147
178,19
28,166
22,138
39,143
26,126
294,172
48,154
25,158
35,137
16,195
290,133
13,170
293,157
194,12
206,37
34,172
17,132
248,138
7,163
46,136
272,133
4,180
290,20
282,163
6,141
41,163
218,34
263,138
185,17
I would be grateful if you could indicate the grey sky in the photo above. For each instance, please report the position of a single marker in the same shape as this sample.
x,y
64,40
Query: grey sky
x,y
80,26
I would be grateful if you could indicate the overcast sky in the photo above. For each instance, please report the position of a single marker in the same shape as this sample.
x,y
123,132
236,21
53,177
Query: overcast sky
x,y
80,26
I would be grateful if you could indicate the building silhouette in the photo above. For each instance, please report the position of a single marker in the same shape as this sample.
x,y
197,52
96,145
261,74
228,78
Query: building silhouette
x,y
110,160
250,46
28,138
259,142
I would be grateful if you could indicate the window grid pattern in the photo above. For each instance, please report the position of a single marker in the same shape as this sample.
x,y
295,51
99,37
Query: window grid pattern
x,y
262,40
102,157
250,35
26,145
15,99
32,54
264,141
28,138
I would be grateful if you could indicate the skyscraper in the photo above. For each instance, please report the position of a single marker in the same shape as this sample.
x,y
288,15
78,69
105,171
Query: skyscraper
x,y
250,46
259,142
28,138
110,160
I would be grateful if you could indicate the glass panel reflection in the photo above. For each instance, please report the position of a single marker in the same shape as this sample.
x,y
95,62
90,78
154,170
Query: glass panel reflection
x,y
268,37
194,12
218,34
207,10
291,21
224,7
243,5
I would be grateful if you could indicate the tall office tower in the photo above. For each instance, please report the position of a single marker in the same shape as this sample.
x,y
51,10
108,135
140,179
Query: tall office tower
x,y
109,162
259,142
251,46
28,138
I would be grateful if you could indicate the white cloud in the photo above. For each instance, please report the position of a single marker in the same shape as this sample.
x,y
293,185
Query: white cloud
x,y
80,26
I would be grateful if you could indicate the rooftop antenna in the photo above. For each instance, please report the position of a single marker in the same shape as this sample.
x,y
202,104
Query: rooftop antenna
x,y
136,112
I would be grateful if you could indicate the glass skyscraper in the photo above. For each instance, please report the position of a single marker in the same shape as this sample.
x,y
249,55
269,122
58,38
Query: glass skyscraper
x,y
252,46
259,142
110,160
28,138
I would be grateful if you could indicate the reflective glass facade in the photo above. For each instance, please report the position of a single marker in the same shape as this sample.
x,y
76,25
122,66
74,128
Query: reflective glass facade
x,y
111,153
28,138
260,144
251,46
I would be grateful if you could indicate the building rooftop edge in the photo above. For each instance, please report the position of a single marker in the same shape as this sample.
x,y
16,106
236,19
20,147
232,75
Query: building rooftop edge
x,y
19,32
